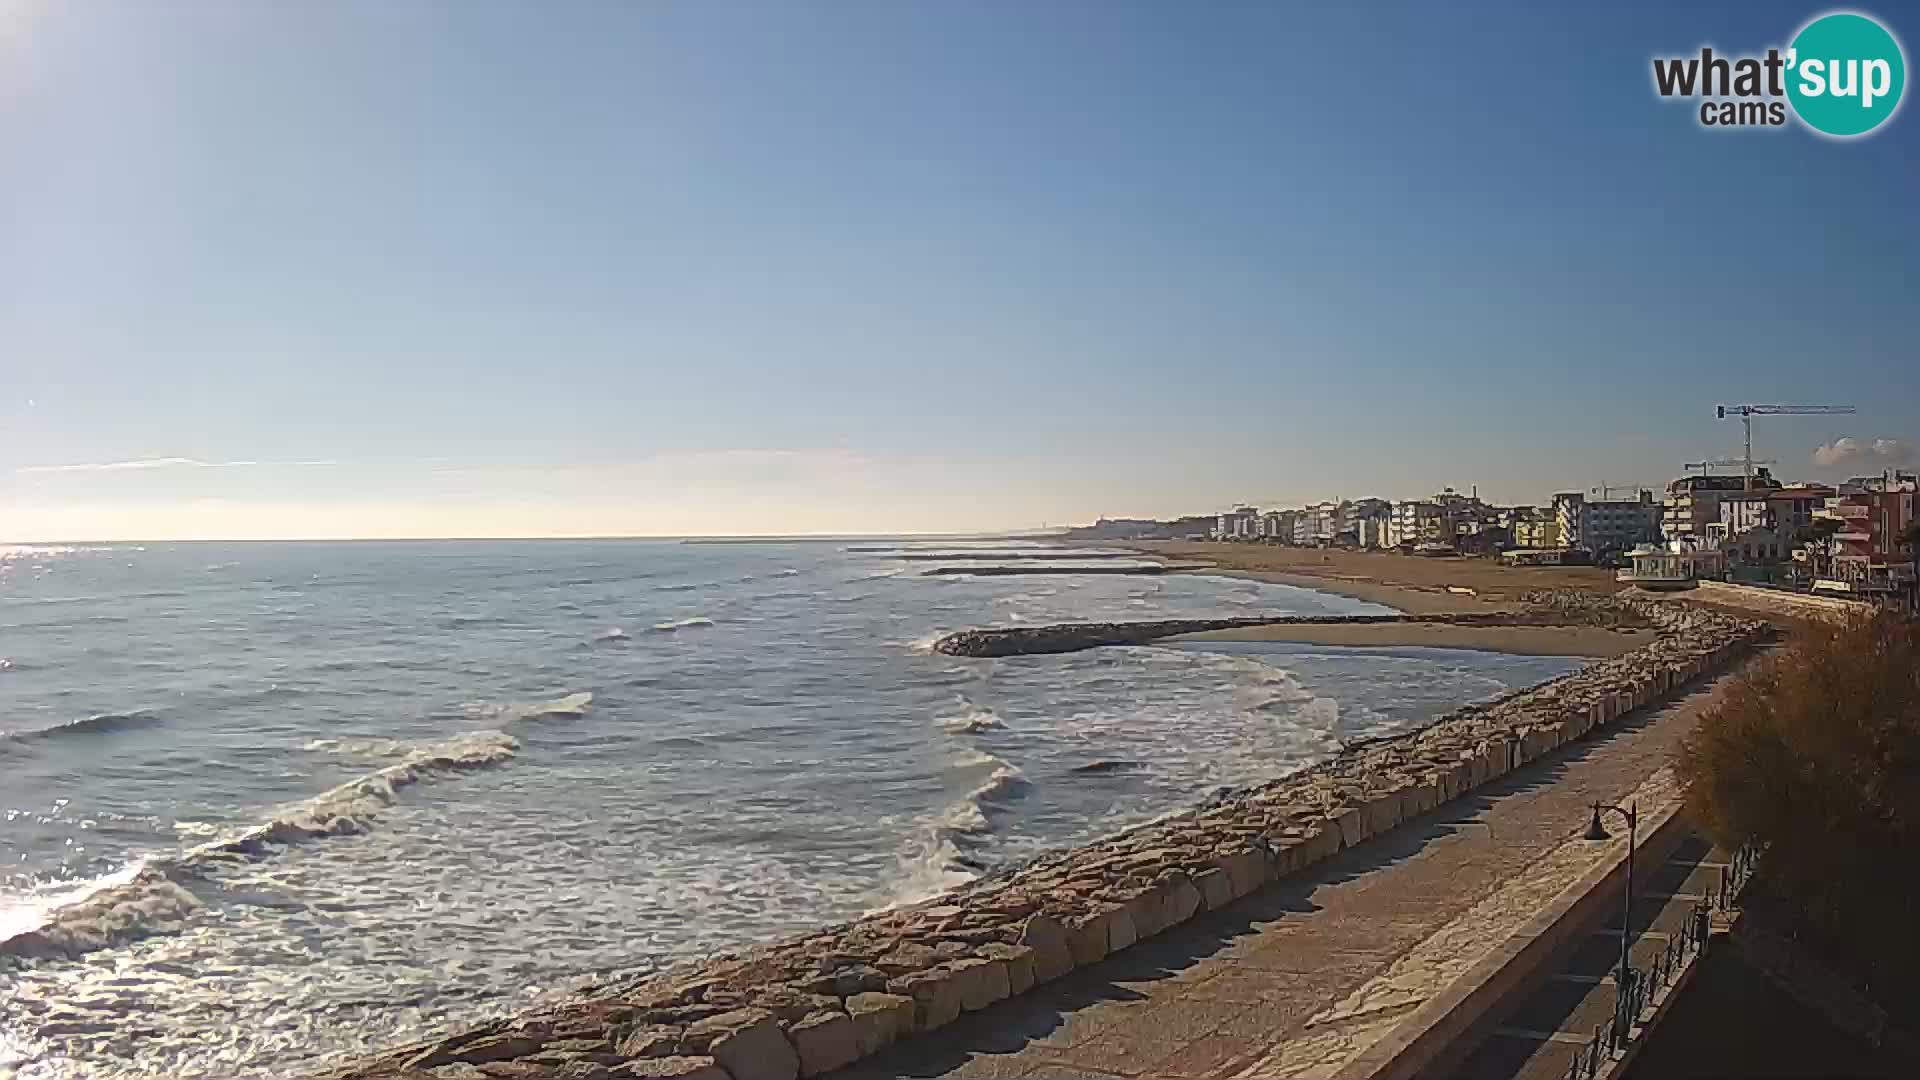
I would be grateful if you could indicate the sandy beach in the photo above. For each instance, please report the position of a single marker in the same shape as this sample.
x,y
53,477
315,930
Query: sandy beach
x,y
1587,641
1415,584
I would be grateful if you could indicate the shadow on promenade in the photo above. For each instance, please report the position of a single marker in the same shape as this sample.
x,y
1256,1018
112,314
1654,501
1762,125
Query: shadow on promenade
x,y
1051,1015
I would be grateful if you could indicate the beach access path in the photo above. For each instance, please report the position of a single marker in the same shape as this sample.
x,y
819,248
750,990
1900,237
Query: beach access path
x,y
1302,977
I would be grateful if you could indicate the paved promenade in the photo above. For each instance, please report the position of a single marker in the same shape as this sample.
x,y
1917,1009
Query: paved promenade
x,y
1297,980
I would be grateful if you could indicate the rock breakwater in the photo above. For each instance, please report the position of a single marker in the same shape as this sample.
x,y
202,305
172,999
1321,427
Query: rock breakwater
x,y
1146,569
1071,637
805,1007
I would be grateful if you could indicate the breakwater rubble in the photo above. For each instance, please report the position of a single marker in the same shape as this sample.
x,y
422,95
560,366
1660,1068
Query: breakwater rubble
x,y
805,1007
1143,569
1072,637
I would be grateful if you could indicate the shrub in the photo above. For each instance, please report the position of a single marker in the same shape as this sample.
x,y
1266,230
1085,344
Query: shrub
x,y
1815,753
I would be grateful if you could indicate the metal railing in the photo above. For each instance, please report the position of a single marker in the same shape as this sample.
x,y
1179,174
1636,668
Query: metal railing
x,y
1642,985
1637,992
1733,876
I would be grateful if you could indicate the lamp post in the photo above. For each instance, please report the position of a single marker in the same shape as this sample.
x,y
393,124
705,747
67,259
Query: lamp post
x,y
1597,831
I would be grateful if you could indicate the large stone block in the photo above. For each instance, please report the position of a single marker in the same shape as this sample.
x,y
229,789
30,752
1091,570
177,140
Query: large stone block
x,y
1384,811
476,1048
680,1067
1246,870
748,1043
907,958
650,1040
1320,841
935,994
1146,914
982,981
825,1041
1019,961
1182,898
1122,932
879,1019
1051,945
1351,824
1419,798
1216,888
1087,936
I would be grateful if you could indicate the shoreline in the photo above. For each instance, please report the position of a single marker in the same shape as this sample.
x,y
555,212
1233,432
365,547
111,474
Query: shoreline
x,y
1417,585
1585,642
817,1002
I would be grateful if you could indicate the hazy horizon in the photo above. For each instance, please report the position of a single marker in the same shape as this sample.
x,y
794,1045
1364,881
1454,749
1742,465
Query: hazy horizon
x,y
740,269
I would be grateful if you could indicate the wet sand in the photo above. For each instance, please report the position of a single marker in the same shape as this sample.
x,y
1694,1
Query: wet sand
x,y
1585,641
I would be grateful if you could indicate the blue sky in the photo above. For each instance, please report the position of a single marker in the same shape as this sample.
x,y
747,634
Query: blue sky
x,y
490,268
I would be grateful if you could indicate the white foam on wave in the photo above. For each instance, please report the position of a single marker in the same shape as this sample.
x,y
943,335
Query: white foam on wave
x,y
143,898
130,902
357,748
972,720
610,634
566,707
936,857
925,642
681,624
349,809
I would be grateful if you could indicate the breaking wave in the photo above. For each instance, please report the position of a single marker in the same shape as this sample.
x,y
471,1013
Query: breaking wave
x,y
941,854
145,897
681,624
609,635
132,902
972,721
100,724
566,707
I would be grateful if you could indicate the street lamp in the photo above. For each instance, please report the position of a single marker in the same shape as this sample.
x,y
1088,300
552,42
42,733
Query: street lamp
x,y
1597,831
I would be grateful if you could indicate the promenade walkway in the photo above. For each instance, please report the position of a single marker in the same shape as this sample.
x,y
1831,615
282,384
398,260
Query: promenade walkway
x,y
1557,1015
1299,979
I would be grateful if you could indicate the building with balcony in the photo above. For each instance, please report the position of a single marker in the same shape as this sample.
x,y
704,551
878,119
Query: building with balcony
x,y
1240,523
1418,522
1276,526
1693,502
1535,528
1869,554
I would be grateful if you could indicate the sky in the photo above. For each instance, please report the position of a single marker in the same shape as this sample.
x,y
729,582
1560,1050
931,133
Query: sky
x,y
480,268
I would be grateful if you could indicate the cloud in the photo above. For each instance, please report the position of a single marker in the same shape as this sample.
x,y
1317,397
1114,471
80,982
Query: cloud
x,y
167,463
1879,453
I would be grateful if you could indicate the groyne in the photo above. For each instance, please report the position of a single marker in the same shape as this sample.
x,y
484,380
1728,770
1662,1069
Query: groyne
x,y
1072,637
1143,569
807,1006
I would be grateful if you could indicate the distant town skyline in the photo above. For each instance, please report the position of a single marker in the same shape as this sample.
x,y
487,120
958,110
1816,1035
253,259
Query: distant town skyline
x,y
439,269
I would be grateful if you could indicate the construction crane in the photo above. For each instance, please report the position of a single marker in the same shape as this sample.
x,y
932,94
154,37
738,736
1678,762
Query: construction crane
x,y
1605,491
1746,413
1727,463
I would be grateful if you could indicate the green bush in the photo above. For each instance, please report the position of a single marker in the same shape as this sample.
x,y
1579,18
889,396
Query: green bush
x,y
1815,753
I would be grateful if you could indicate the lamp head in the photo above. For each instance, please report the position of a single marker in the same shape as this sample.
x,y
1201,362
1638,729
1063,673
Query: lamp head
x,y
1595,830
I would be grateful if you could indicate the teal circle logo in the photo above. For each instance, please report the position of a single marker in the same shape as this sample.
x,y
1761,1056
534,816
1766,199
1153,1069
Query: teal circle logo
x,y
1845,74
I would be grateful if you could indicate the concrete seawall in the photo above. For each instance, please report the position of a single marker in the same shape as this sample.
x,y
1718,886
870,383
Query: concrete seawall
x,y
815,1004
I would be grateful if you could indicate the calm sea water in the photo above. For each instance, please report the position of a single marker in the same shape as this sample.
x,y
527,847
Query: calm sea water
x,y
474,773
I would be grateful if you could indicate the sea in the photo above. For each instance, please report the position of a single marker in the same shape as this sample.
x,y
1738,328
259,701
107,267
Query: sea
x,y
312,798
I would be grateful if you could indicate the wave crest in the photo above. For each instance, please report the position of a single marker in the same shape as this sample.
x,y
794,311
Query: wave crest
x,y
128,904
99,724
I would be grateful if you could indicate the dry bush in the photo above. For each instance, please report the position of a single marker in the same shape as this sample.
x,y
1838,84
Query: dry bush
x,y
1816,753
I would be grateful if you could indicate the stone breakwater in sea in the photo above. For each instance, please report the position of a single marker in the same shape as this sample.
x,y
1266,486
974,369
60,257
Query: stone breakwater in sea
x,y
1072,637
808,1006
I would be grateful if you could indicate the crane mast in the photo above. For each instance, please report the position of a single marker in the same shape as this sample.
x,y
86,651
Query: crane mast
x,y
1746,413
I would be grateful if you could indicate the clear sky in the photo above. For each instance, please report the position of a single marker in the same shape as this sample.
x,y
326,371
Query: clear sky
x,y
489,268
